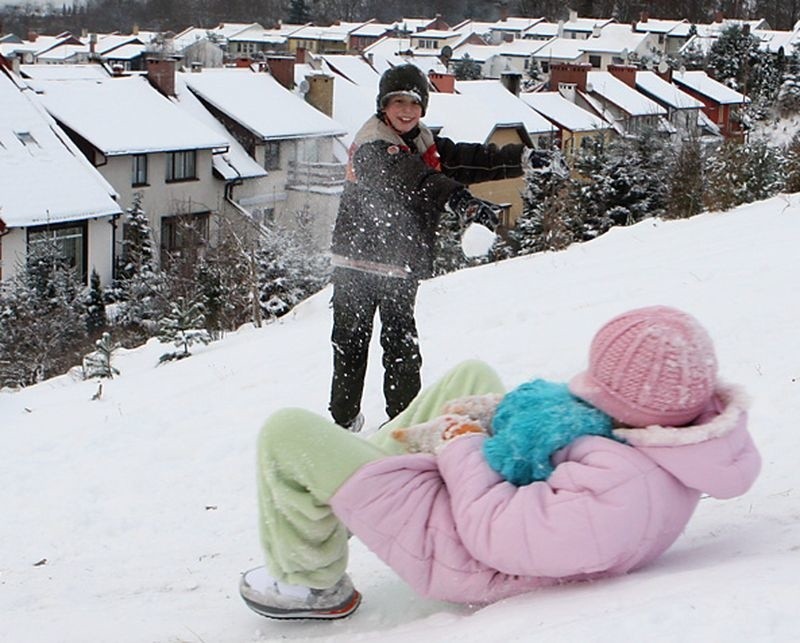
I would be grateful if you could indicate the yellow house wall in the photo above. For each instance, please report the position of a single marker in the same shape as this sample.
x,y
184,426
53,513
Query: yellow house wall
x,y
506,190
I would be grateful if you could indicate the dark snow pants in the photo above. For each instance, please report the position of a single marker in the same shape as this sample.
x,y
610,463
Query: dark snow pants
x,y
356,297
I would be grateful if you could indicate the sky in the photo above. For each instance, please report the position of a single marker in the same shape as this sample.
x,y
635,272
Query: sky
x,y
130,517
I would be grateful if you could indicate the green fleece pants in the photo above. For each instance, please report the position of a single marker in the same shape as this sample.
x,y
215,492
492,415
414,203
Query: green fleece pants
x,y
304,458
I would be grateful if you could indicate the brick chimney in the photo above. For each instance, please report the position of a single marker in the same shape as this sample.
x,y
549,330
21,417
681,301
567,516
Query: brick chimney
x,y
320,93
644,16
282,70
570,74
444,83
626,73
512,80
300,55
32,36
161,75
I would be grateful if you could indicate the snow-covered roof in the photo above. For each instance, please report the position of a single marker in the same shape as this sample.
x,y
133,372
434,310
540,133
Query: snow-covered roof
x,y
236,162
89,71
336,32
543,29
352,104
558,49
586,24
261,104
388,46
657,25
478,53
474,26
437,34
515,23
62,53
107,43
43,176
612,89
664,92
520,47
372,29
501,107
257,33
563,112
773,41
228,29
124,116
125,52
703,84
412,24
615,39
354,68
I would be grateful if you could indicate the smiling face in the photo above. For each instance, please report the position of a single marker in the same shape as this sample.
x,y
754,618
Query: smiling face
x,y
403,113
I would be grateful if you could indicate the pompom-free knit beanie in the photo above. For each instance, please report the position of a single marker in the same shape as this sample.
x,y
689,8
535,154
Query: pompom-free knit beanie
x,y
653,365
531,423
403,80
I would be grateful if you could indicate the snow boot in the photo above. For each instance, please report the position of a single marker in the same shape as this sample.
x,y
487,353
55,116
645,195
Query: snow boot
x,y
268,597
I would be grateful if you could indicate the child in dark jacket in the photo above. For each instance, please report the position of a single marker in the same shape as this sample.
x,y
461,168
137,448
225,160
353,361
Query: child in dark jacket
x,y
648,429
400,178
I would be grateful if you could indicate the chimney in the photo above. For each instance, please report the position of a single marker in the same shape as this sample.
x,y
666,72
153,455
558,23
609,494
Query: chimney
x,y
569,74
117,70
242,63
32,36
300,55
596,30
197,67
161,75
135,30
444,83
92,45
320,93
719,17
503,13
626,73
573,15
644,16
511,81
282,70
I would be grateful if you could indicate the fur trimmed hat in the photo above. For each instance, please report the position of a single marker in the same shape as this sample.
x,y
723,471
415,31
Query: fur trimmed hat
x,y
650,366
403,80
534,421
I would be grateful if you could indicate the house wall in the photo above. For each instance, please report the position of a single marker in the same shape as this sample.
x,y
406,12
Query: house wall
x,y
160,198
99,244
505,191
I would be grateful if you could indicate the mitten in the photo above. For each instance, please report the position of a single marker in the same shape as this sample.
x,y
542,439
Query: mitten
x,y
470,209
545,161
433,435
476,407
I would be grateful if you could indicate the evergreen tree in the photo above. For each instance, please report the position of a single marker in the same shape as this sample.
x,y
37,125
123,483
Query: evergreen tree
x,y
547,221
98,362
741,173
448,255
96,318
42,318
686,181
467,69
791,165
693,57
184,326
732,57
299,13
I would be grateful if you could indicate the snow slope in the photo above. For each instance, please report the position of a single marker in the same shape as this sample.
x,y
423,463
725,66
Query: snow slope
x,y
130,517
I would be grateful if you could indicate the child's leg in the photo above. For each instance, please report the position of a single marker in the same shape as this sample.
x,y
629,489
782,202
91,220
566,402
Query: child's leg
x,y
471,377
302,460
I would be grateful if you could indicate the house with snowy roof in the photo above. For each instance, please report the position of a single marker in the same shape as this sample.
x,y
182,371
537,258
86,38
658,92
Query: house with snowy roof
x,y
48,190
616,44
576,127
485,111
670,35
298,145
683,110
628,111
510,28
434,40
332,39
255,39
721,104
369,33
141,143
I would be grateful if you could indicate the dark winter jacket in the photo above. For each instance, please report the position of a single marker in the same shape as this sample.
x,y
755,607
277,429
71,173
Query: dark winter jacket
x,y
398,186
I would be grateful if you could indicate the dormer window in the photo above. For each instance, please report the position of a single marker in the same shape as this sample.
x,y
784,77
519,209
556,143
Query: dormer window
x,y
26,138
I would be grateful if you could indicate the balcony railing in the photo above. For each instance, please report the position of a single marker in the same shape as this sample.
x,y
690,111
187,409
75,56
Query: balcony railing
x,y
317,174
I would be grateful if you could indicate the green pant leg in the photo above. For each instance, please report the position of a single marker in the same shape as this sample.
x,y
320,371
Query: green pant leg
x,y
471,377
302,460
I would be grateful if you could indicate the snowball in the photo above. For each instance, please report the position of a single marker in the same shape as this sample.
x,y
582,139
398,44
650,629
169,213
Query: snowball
x,y
477,240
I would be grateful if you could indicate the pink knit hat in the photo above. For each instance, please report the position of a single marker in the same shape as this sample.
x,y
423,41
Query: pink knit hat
x,y
652,365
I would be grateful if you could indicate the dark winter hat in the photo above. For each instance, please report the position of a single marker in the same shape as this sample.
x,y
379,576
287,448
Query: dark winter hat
x,y
403,80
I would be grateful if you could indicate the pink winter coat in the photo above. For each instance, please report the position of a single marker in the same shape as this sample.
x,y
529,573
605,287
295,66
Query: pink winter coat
x,y
455,530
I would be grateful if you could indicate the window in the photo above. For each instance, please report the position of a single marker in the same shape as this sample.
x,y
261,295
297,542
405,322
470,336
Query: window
x,y
185,234
139,170
272,155
26,138
181,166
594,61
70,239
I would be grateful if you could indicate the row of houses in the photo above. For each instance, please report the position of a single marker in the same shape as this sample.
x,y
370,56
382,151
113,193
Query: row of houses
x,y
266,142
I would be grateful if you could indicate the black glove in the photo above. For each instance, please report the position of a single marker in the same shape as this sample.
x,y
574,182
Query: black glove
x,y
470,209
545,161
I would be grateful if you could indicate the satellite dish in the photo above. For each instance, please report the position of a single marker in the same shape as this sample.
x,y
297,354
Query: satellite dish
x,y
303,87
447,51
649,64
663,67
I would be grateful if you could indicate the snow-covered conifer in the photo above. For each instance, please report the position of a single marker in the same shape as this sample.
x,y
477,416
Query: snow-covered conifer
x,y
183,326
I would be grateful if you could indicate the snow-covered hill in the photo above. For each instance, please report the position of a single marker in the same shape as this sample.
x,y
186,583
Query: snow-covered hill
x,y
129,518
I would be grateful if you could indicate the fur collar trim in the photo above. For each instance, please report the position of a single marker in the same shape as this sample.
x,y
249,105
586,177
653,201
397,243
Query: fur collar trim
x,y
732,398
376,130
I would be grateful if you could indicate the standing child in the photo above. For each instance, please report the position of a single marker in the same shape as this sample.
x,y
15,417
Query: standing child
x,y
453,526
400,178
